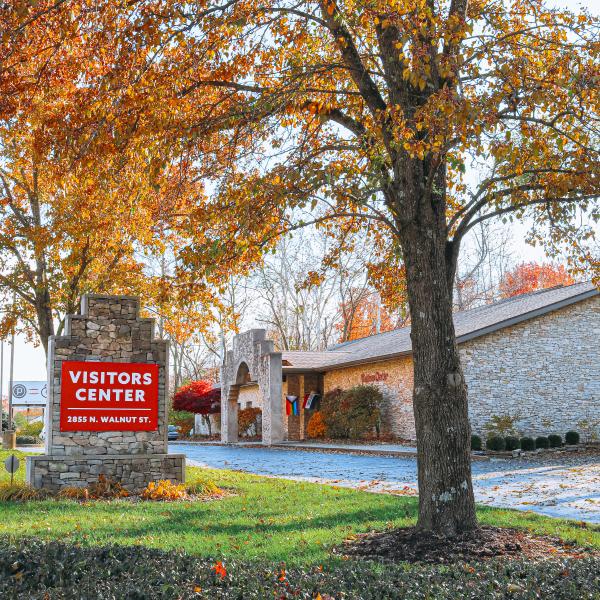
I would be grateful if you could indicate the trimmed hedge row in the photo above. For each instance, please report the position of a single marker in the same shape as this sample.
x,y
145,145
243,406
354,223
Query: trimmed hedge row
x,y
35,569
497,443
27,440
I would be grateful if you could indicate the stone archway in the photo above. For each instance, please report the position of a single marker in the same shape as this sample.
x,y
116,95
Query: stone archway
x,y
253,354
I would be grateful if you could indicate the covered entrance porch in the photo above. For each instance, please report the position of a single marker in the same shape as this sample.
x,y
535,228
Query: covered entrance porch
x,y
286,387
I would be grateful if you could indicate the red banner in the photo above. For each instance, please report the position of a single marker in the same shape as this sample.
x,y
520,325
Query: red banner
x,y
106,396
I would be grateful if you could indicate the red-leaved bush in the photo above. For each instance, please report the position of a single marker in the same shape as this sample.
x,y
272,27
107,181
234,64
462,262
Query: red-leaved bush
x,y
199,397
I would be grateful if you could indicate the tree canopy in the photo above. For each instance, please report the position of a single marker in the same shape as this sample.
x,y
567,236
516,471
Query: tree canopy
x,y
198,397
529,277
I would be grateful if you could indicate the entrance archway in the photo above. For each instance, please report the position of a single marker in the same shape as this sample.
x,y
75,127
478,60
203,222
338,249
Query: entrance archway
x,y
252,355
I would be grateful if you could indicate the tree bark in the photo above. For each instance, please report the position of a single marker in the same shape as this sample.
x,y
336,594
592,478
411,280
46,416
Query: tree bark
x,y
45,321
446,502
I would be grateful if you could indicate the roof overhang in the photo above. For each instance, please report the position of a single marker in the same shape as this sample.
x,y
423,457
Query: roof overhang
x,y
460,339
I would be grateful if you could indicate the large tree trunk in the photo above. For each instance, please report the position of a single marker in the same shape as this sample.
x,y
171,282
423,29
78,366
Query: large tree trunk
x,y
446,503
43,311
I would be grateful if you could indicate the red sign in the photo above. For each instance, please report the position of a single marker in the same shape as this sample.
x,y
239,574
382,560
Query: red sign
x,y
106,396
372,377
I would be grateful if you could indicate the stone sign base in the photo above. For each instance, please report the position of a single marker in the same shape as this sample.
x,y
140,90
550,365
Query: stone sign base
x,y
134,472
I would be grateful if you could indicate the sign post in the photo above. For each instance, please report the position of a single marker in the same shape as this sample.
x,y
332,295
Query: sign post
x,y
9,437
1,387
12,466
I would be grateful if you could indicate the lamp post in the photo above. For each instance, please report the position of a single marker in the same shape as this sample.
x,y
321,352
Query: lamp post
x,y
9,436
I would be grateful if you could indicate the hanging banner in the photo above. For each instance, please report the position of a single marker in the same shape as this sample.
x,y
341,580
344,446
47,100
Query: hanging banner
x,y
106,396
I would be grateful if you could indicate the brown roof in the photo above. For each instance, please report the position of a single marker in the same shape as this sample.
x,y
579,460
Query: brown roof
x,y
469,324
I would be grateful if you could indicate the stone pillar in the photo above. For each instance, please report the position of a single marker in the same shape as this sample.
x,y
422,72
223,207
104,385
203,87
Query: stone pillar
x,y
252,353
272,418
293,421
229,416
108,330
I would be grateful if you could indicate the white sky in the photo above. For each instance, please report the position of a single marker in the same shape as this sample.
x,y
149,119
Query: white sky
x,y
30,362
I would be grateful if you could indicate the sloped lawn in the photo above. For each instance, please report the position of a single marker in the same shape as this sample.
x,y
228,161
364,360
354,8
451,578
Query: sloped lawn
x,y
263,523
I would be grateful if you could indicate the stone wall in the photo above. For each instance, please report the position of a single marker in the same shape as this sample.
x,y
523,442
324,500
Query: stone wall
x,y
545,372
108,329
133,471
250,395
394,378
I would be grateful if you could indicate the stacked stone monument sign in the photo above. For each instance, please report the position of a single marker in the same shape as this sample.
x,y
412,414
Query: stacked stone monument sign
x,y
107,402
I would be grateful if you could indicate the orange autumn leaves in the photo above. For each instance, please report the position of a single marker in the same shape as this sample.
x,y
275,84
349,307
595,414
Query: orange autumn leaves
x,y
219,570
82,199
181,108
366,317
530,277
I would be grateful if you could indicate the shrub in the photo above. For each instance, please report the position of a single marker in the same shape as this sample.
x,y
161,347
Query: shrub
x,y
502,424
62,569
352,413
555,440
495,443
32,429
316,426
246,418
334,413
183,420
27,440
364,412
571,438
527,444
72,492
164,491
104,489
19,492
204,489
476,442
512,442
542,442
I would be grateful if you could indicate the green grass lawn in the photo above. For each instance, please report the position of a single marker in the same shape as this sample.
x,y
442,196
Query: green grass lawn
x,y
270,519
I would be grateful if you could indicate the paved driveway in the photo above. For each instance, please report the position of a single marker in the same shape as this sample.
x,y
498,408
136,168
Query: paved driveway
x,y
559,485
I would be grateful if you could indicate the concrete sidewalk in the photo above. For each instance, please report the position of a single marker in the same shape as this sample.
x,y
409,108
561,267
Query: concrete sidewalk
x,y
382,449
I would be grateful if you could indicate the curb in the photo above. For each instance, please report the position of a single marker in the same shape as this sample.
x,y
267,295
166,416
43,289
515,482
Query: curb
x,y
340,450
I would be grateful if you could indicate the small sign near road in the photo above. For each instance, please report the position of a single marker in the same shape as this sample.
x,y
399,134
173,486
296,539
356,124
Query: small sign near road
x,y
29,393
12,466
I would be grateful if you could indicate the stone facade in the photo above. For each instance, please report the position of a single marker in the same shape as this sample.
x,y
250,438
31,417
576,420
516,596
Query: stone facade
x,y
108,329
250,396
252,357
544,373
395,380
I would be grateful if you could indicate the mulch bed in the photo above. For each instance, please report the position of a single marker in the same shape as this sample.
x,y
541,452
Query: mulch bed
x,y
411,545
